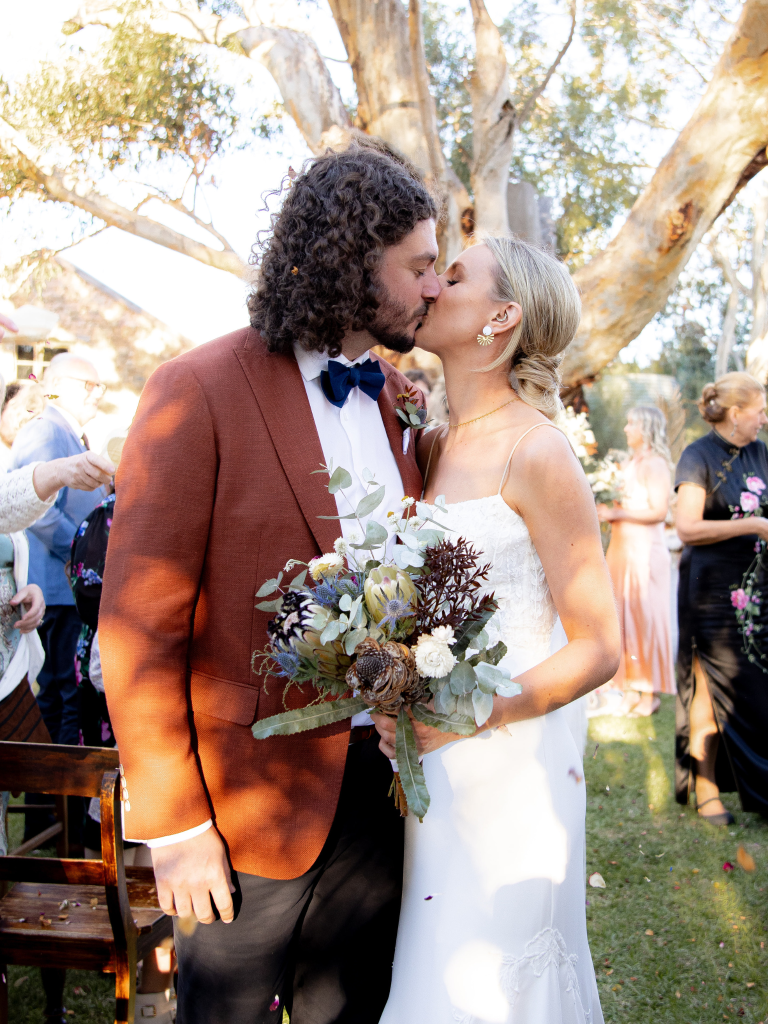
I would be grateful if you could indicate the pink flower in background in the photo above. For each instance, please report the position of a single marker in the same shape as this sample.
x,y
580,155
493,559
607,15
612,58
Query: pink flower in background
x,y
739,598
755,484
749,501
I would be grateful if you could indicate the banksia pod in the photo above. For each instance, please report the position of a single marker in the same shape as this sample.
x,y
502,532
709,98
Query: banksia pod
x,y
385,675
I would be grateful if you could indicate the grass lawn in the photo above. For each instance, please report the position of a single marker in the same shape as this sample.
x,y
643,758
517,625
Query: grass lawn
x,y
675,939
706,960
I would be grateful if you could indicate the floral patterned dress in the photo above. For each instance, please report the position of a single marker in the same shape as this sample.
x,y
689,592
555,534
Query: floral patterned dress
x,y
723,620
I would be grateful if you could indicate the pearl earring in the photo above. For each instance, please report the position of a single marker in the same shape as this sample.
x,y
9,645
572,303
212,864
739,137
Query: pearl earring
x,y
486,338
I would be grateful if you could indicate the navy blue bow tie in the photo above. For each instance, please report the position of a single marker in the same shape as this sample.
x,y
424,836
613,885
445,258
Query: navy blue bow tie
x,y
339,379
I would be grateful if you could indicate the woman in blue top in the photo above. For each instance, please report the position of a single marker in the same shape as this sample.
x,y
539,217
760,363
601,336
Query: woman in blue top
x,y
722,712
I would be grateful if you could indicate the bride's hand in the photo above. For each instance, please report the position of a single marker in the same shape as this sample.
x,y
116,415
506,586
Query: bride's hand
x,y
427,738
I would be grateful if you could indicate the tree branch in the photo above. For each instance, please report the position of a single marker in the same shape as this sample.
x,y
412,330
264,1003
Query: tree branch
x,y
291,57
530,103
426,102
57,185
720,148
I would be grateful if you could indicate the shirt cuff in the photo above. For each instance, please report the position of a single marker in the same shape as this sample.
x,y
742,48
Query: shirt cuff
x,y
198,830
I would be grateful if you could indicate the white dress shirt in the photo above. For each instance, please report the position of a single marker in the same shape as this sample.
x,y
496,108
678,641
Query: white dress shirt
x,y
353,437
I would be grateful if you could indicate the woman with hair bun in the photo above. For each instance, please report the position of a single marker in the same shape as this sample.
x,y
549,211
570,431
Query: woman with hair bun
x,y
502,848
639,564
722,670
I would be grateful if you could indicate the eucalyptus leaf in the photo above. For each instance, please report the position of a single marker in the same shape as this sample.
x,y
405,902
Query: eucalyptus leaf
x,y
464,706
339,480
493,655
330,632
402,416
313,717
483,705
297,583
489,677
509,689
353,639
375,534
445,701
270,606
320,621
411,773
370,502
410,407
414,420
267,588
462,678
463,724
345,602
410,540
441,722
481,640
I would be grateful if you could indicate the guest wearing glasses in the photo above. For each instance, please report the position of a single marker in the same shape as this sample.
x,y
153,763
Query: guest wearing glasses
x,y
74,391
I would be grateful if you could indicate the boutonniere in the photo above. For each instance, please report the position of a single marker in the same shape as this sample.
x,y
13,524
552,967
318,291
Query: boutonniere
x,y
410,414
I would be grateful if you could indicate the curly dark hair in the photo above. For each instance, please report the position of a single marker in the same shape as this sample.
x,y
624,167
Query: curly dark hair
x,y
317,271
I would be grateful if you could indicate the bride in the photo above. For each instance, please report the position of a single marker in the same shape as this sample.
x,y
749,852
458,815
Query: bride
x,y
493,925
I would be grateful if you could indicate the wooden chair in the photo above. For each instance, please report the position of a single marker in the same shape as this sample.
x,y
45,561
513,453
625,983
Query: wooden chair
x,y
62,913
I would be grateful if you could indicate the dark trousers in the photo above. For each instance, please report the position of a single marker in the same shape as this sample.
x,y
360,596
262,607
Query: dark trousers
x,y
59,703
59,696
322,943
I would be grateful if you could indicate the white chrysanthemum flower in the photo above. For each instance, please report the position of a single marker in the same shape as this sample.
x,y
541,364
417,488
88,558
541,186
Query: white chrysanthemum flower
x,y
340,546
443,634
433,657
326,565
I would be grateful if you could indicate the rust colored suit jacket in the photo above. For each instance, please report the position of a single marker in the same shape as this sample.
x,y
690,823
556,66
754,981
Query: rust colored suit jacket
x,y
215,494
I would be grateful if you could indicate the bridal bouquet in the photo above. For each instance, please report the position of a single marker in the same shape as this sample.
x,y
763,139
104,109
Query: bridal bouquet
x,y
361,629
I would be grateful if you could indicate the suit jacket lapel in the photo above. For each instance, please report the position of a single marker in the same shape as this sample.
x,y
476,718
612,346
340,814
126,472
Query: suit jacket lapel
x,y
279,390
406,463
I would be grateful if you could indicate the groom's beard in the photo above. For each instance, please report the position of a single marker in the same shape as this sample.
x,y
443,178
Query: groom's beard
x,y
390,328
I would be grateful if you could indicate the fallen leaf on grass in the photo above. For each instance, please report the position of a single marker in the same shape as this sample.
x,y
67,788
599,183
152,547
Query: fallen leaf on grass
x,y
78,991
745,860
20,981
648,931
596,880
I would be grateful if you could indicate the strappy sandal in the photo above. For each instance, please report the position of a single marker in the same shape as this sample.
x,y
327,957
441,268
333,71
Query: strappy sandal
x,y
714,819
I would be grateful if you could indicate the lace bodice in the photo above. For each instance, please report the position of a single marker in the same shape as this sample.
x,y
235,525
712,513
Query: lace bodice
x,y
527,614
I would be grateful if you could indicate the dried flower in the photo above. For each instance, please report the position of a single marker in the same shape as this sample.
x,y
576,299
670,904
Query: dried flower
x,y
326,565
433,657
340,546
444,634
407,502
385,675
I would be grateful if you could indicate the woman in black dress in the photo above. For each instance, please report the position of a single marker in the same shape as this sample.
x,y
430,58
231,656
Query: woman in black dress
x,y
722,704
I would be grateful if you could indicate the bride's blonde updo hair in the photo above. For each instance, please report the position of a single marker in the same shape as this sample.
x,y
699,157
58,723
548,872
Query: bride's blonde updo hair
x,y
737,388
551,306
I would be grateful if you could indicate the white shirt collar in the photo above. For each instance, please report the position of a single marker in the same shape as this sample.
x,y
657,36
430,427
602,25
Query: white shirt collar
x,y
311,364
77,427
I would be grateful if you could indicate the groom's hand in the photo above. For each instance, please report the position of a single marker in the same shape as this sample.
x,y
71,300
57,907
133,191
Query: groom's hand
x,y
193,873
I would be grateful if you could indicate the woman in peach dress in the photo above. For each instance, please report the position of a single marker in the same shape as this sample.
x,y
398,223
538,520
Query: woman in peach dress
x,y
640,565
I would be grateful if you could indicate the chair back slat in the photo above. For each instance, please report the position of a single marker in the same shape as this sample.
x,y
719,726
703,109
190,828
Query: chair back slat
x,y
48,768
51,869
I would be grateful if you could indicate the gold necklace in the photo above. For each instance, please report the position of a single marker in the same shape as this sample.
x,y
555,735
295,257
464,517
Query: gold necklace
x,y
466,424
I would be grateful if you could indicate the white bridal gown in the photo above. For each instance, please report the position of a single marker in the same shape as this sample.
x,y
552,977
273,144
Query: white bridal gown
x,y
493,921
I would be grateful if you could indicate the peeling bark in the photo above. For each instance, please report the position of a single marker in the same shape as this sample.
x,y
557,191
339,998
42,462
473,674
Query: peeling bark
x,y
629,282
493,125
56,184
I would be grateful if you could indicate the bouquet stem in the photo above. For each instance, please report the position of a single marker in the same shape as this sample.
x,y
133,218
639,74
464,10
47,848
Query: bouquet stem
x,y
396,790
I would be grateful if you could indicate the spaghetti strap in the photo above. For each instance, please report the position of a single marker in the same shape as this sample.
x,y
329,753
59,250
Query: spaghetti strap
x,y
525,434
429,463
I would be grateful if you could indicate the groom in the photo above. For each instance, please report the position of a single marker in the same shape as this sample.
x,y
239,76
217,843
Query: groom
x,y
293,839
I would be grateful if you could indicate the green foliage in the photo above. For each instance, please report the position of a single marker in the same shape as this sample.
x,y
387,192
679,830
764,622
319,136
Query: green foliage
x,y
583,142
690,360
139,97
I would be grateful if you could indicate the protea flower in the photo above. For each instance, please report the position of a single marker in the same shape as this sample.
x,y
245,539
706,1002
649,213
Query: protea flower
x,y
391,598
385,675
292,620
